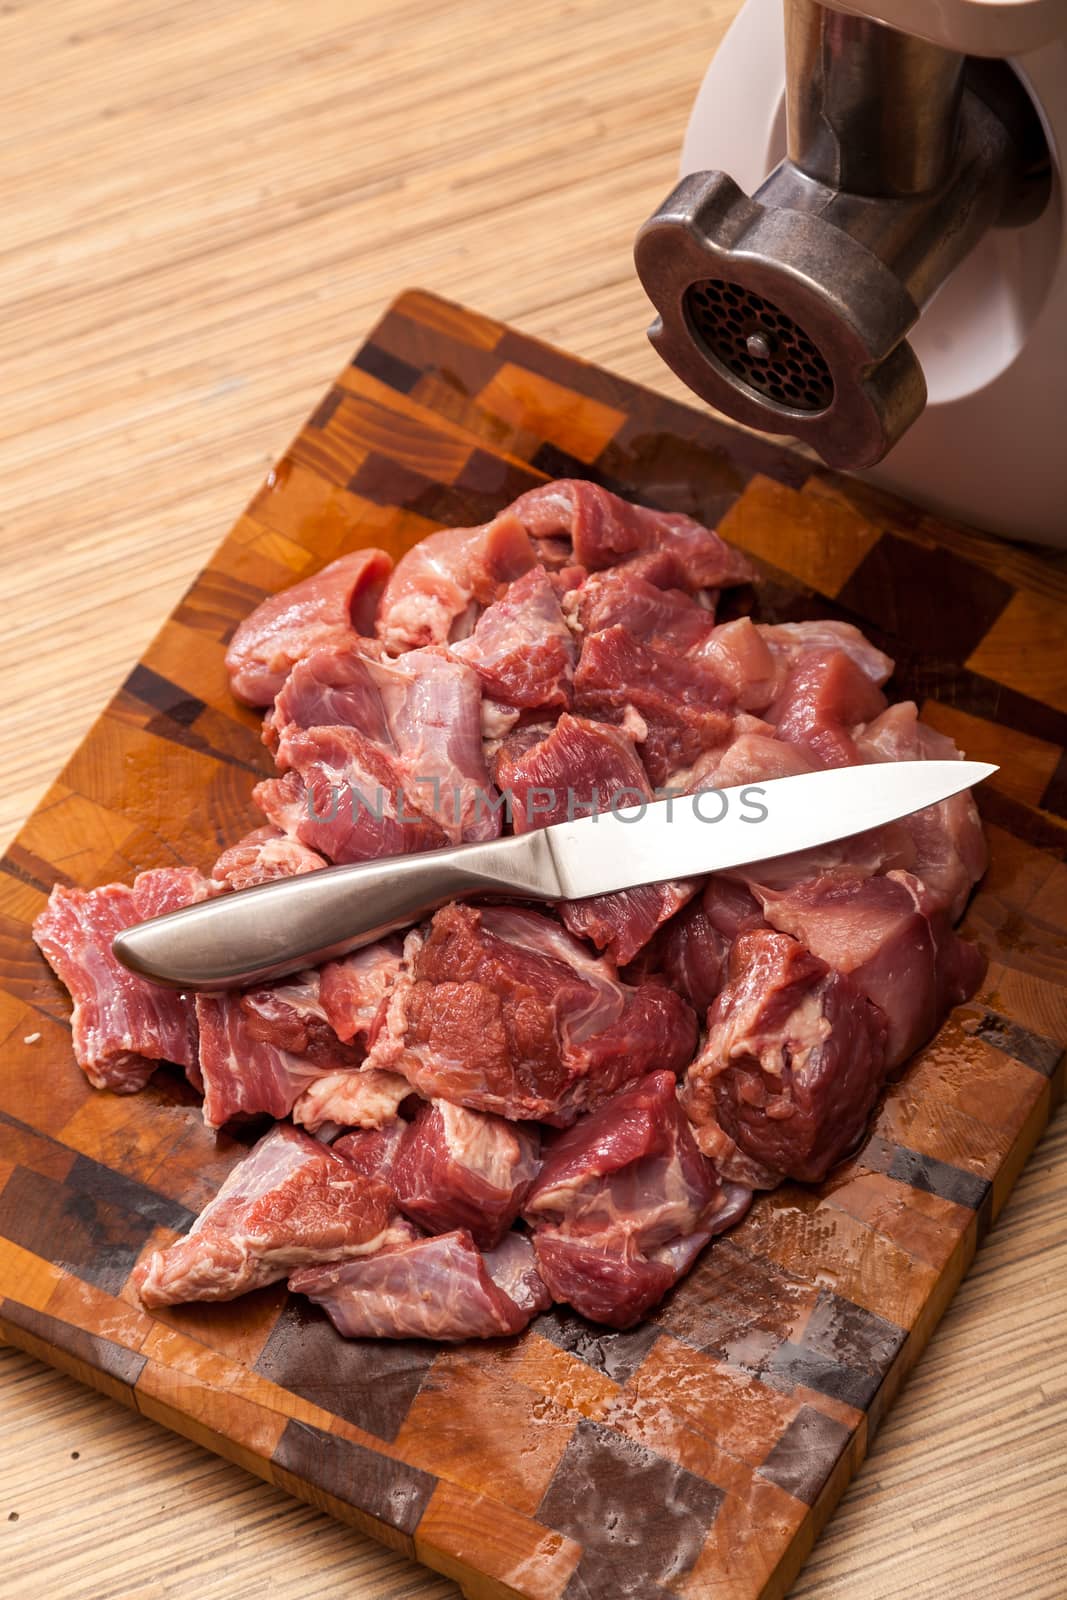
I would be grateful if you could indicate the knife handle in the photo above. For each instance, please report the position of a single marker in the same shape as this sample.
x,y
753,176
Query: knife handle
x,y
257,934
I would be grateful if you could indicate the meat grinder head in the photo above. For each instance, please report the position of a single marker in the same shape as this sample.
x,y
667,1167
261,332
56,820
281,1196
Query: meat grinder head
x,y
790,310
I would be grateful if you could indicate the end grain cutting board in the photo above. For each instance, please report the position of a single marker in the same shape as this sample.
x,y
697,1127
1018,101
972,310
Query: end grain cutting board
x,y
701,1453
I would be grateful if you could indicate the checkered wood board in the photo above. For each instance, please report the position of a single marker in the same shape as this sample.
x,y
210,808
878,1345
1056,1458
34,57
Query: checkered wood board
x,y
698,1455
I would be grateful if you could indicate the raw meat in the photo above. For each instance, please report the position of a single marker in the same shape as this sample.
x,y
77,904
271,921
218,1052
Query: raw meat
x,y
346,798
683,705
793,1062
907,962
439,582
694,948
122,1026
948,842
367,1098
465,1169
788,641
570,645
331,606
738,654
602,528
665,618
571,770
422,713
263,856
521,648
373,1151
260,1050
441,1288
291,1201
353,990
824,695
624,1203
501,1010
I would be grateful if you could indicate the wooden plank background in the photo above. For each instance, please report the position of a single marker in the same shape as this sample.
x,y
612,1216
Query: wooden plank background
x,y
206,207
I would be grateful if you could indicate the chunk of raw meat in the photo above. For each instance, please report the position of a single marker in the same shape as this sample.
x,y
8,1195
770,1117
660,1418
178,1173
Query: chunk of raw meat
x,y
788,641
824,695
373,1151
667,619
441,1288
693,950
353,989
949,845
501,1010
571,770
122,1026
465,1169
263,856
289,1202
567,770
750,754
794,1059
739,656
602,529
521,648
331,606
624,1203
261,1049
430,597
351,1099
422,712
682,704
909,964
346,798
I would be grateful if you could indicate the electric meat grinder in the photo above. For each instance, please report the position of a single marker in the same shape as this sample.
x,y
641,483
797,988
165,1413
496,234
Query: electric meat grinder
x,y
894,292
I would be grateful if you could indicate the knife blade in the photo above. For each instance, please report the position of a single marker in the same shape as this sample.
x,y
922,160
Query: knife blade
x,y
265,932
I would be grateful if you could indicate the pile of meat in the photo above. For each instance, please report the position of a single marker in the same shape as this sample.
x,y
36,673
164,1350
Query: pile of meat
x,y
511,1107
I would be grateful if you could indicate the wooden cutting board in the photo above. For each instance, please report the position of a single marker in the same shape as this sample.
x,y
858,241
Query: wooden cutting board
x,y
701,1453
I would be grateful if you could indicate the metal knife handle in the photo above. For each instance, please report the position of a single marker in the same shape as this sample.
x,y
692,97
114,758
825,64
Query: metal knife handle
x,y
275,928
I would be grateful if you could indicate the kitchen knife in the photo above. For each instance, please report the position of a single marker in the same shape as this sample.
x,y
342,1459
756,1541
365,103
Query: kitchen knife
x,y
275,928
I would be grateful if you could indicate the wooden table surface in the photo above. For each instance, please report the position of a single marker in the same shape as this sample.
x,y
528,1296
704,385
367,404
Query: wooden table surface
x,y
205,207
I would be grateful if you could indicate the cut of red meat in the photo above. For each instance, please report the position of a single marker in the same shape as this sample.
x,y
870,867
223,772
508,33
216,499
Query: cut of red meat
x,y
331,606
693,950
122,1026
422,713
949,849
750,754
623,1204
502,1011
793,1062
465,1169
824,695
373,1151
683,705
621,924
571,769
521,648
290,1201
789,641
428,599
876,929
346,798
263,856
665,618
351,1099
602,529
738,654
353,989
441,1288
261,1049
